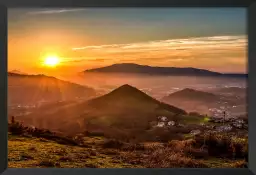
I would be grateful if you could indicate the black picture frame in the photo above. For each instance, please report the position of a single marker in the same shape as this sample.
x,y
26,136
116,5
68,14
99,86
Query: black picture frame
x,y
251,29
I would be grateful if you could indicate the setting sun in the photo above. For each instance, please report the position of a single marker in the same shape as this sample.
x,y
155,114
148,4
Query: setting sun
x,y
51,61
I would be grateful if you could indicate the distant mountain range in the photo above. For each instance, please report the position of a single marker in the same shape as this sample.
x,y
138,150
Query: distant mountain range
x,y
17,72
149,70
29,89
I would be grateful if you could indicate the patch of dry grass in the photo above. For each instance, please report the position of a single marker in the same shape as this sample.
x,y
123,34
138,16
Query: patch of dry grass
x,y
31,152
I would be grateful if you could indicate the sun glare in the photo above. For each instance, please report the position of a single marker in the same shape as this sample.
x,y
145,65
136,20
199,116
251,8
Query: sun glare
x,y
51,61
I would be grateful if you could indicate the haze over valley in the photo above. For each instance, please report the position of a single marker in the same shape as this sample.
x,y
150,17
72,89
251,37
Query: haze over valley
x,y
127,88
49,97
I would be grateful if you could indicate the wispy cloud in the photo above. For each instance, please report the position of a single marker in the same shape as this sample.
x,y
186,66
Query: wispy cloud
x,y
201,51
173,44
46,12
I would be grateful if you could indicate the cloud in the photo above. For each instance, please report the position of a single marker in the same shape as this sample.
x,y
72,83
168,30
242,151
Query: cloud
x,y
72,60
46,12
200,51
80,60
172,44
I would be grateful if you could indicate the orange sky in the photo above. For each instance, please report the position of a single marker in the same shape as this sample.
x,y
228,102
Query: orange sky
x,y
84,39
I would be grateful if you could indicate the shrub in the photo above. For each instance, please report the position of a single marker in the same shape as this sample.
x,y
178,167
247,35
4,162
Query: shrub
x,y
16,128
60,152
13,120
79,139
82,156
25,156
133,147
240,148
130,157
177,145
246,153
90,165
32,149
94,134
113,144
110,152
162,134
154,146
167,158
240,164
195,114
47,163
223,146
64,140
65,159
197,153
92,153
217,145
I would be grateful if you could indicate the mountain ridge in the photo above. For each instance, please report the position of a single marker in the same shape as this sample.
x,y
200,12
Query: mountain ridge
x,y
153,70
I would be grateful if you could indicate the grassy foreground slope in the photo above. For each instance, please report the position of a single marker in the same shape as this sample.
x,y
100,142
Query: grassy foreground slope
x,y
30,148
35,152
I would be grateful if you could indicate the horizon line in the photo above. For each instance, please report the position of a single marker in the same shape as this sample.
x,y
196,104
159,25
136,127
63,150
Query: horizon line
x,y
83,71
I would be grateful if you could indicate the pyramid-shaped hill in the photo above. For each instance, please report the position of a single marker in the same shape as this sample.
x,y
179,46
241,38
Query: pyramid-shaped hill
x,y
129,97
125,108
191,94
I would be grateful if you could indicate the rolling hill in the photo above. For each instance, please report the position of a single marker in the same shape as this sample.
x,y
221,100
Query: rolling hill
x,y
192,94
131,68
200,101
30,89
230,91
123,110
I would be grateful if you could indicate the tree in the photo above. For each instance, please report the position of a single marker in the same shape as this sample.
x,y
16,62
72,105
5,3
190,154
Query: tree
x,y
224,116
13,120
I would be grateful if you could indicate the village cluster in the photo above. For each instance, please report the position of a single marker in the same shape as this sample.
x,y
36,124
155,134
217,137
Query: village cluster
x,y
213,124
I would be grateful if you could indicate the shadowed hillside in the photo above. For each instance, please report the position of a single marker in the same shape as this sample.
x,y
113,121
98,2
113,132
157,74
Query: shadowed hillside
x,y
128,96
30,89
123,110
230,91
191,94
201,101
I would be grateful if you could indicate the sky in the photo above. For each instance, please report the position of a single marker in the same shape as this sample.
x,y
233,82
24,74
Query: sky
x,y
85,38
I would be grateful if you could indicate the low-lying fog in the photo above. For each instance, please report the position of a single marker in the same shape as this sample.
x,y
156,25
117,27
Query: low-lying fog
x,y
156,86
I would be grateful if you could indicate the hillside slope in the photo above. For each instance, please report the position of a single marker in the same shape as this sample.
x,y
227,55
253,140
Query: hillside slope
x,y
201,101
30,89
191,94
124,109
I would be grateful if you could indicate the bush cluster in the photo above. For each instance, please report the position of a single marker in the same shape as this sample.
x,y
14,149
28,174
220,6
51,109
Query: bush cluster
x,y
17,128
221,145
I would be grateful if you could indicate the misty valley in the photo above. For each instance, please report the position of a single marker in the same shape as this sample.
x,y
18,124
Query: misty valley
x,y
127,88
100,119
